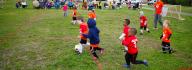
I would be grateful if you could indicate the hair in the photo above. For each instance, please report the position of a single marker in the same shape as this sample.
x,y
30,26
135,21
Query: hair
x,y
74,8
133,31
166,22
127,21
80,18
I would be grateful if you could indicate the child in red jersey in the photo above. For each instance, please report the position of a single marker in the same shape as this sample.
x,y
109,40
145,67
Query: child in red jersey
x,y
143,23
83,30
74,15
131,54
124,35
166,37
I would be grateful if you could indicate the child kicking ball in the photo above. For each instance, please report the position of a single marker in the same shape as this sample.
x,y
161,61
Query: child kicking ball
x,y
165,37
83,30
143,23
131,54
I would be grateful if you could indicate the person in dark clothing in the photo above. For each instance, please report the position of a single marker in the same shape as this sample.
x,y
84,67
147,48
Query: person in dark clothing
x,y
93,36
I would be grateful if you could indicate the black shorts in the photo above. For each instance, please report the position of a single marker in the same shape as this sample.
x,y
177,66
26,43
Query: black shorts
x,y
83,41
143,27
165,44
74,18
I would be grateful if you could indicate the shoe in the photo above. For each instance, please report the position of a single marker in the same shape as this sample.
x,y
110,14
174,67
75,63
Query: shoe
x,y
170,51
145,62
102,50
126,66
148,31
155,28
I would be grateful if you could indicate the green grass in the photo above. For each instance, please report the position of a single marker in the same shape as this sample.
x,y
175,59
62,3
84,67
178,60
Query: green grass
x,y
44,40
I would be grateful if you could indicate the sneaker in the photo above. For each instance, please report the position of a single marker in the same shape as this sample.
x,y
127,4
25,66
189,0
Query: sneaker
x,y
148,31
145,62
155,28
170,51
126,66
102,50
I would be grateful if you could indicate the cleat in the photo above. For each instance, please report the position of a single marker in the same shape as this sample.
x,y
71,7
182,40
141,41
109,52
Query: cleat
x,y
145,62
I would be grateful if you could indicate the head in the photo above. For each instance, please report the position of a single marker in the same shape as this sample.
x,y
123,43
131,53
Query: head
x,y
74,8
166,23
89,11
126,22
141,13
80,19
132,32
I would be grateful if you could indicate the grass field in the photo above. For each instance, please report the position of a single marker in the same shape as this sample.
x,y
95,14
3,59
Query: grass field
x,y
33,39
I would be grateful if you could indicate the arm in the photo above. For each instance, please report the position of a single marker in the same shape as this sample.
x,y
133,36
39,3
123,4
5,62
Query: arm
x,y
161,36
86,35
122,36
169,36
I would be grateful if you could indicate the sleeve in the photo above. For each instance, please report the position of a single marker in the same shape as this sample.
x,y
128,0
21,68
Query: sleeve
x,y
87,35
125,30
169,36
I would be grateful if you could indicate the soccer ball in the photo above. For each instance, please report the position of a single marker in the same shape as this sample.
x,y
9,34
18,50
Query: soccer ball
x,y
79,48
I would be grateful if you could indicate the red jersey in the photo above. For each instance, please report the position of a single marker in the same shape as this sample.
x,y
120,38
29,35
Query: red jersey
x,y
126,32
158,7
131,44
166,33
143,21
83,29
74,13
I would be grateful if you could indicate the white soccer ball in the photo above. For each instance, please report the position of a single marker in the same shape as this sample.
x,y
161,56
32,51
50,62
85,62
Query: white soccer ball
x,y
79,48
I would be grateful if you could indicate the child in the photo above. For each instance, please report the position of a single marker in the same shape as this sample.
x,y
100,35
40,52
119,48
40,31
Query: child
x,y
93,36
91,14
143,23
132,52
124,35
18,4
83,30
74,15
24,4
65,8
166,37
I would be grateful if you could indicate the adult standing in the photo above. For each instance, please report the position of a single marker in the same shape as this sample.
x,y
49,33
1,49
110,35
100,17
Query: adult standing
x,y
158,10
